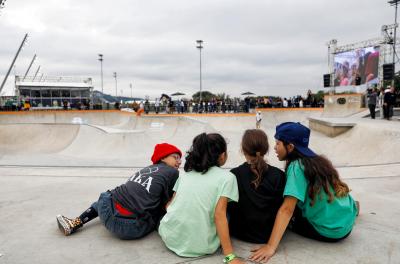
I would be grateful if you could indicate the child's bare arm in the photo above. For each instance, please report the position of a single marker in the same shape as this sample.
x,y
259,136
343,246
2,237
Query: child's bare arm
x,y
221,224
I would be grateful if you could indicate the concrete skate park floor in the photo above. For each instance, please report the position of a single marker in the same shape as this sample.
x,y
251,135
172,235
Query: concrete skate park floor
x,y
67,159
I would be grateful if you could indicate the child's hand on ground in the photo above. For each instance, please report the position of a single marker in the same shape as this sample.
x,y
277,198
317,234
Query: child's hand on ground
x,y
262,254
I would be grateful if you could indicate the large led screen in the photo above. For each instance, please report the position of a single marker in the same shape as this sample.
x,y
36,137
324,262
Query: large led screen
x,y
356,67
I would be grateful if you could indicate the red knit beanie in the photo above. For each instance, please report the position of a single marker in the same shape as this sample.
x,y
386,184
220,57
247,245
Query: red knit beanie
x,y
162,150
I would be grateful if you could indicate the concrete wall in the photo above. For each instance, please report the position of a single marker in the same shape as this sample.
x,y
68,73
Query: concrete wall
x,y
342,105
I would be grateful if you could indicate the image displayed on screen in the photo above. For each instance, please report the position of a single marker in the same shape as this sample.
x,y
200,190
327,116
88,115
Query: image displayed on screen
x,y
356,67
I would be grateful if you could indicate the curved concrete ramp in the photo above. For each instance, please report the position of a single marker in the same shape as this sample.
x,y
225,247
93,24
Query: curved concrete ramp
x,y
98,143
112,139
122,139
36,138
368,142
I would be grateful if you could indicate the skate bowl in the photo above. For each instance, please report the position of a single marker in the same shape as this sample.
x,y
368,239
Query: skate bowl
x,y
118,138
59,162
89,138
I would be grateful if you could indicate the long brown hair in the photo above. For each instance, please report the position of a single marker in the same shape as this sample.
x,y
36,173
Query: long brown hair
x,y
321,175
255,145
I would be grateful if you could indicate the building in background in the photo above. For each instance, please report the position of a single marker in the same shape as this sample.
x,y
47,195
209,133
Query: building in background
x,y
54,92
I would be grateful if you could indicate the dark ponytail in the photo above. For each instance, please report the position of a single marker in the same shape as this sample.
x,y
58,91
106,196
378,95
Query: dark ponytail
x,y
255,146
205,152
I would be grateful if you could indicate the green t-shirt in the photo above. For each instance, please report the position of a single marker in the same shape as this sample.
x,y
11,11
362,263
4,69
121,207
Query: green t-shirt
x,y
188,228
332,220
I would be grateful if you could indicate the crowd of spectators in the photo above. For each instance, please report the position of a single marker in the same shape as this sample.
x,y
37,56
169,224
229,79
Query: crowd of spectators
x,y
168,105
230,105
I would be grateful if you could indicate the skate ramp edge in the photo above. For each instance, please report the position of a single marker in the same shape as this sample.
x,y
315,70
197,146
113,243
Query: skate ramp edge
x,y
94,117
329,127
113,130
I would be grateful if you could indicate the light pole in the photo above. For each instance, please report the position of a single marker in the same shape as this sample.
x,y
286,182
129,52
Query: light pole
x,y
116,87
394,3
130,85
101,71
200,46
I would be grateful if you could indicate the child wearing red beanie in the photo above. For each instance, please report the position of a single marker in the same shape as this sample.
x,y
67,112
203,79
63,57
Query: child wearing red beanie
x,y
134,209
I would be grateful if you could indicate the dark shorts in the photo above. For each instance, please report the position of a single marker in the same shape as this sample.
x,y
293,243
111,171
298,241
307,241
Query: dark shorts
x,y
303,227
121,226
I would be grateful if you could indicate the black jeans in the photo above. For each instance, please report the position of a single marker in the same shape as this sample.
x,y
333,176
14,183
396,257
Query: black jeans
x,y
388,110
301,226
372,110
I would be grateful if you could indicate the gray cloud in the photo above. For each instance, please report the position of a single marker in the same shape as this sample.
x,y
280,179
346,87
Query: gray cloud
x,y
276,48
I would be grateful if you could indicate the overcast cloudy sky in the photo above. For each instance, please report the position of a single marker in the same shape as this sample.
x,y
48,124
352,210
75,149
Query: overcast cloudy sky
x,y
263,46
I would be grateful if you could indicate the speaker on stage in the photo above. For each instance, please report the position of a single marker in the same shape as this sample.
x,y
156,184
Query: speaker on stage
x,y
388,71
327,80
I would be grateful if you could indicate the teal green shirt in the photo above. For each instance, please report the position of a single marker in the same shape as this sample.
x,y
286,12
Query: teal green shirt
x,y
188,228
332,220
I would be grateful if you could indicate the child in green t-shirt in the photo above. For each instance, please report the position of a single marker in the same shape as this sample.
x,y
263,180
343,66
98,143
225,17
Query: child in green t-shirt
x,y
317,204
196,222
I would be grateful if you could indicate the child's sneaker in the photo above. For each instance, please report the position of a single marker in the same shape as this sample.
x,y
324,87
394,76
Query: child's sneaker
x,y
68,226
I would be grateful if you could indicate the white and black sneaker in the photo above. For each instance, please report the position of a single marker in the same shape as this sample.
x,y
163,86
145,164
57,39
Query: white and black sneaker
x,y
68,226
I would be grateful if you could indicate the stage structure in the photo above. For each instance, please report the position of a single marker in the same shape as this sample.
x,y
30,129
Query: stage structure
x,y
350,58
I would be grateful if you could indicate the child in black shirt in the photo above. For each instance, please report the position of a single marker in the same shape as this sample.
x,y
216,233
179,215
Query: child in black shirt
x,y
260,191
134,209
